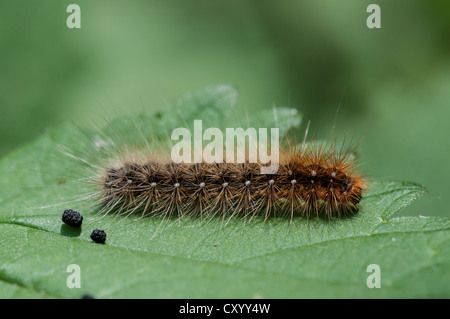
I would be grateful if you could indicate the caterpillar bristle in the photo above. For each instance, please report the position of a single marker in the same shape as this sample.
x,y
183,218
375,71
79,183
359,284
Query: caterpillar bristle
x,y
311,181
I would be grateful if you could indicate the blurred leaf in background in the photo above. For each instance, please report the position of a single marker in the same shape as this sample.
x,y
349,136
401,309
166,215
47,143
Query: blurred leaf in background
x,y
391,84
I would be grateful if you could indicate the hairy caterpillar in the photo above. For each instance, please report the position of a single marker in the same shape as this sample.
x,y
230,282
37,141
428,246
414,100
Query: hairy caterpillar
x,y
310,181
313,179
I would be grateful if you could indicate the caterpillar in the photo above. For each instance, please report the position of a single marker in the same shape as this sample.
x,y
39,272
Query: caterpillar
x,y
312,180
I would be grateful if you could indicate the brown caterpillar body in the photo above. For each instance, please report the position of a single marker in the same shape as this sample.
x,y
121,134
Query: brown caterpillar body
x,y
321,182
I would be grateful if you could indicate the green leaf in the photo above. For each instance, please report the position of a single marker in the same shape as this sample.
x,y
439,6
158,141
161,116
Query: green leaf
x,y
193,258
284,118
214,105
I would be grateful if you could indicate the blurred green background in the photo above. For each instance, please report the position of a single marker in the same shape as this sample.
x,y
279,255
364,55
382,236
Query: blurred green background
x,y
392,84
